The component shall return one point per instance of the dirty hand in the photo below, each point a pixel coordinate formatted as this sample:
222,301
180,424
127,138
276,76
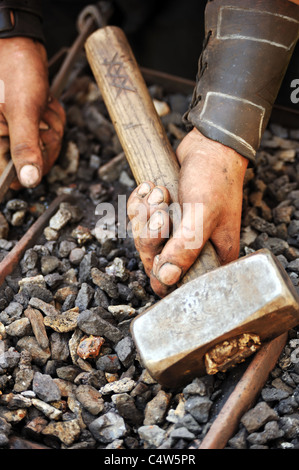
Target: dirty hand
211,174
31,123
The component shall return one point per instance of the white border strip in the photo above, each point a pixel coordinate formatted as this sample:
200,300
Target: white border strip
250,38
238,138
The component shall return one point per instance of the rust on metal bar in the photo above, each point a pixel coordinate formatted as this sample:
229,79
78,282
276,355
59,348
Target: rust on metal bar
22,444
244,394
229,353
6,178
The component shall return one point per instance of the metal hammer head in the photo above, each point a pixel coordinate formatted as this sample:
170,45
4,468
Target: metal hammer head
239,305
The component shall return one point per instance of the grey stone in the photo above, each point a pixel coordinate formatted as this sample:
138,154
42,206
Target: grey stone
270,432
282,383
293,228
9,359
108,363
14,310
287,406
116,444
68,373
182,433
153,435
239,440
108,427
69,302
89,261
293,266
290,426
6,244
118,269
15,401
45,388
45,307
39,355
125,350
199,408
29,260
258,446
101,299
65,248
59,347
276,245
189,422
5,427
92,324
4,227
258,416
66,431
126,407
273,394
124,385
156,408
4,440
60,219
49,264
23,379
19,328
105,282
125,293
84,296
282,259
75,211
53,280
76,256
16,205
262,225
35,290
90,399
196,387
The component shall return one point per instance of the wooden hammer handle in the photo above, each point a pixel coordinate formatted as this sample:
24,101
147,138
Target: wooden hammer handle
137,124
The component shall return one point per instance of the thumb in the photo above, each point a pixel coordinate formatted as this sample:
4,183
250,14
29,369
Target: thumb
25,148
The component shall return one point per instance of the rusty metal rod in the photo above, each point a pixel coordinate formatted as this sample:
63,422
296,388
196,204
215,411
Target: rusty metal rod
22,444
11,260
61,78
244,394
7,178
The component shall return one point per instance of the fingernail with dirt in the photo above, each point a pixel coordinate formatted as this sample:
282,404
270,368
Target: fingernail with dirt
169,274
144,189
156,196
156,221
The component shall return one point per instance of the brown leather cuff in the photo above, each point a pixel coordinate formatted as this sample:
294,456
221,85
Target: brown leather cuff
27,19
247,49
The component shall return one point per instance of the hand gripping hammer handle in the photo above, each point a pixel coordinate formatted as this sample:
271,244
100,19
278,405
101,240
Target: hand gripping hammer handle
137,124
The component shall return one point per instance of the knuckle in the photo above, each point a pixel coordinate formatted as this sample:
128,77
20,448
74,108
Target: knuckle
23,147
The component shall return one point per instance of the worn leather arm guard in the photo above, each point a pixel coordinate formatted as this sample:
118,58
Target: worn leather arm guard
248,46
27,19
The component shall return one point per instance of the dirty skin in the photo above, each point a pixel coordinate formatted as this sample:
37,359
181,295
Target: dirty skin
211,174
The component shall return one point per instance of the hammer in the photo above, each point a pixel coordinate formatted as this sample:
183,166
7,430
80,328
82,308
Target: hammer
219,315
